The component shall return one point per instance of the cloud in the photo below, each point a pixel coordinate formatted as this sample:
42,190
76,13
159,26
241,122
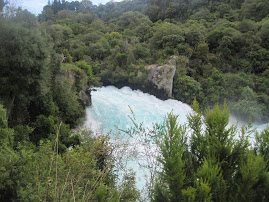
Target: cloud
34,6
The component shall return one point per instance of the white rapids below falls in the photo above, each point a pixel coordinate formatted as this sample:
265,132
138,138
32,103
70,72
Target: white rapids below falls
112,108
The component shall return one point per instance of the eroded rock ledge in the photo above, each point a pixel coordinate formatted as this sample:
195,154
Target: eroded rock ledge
160,80
162,75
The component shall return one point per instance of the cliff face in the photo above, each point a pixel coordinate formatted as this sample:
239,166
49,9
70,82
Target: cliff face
162,76
158,82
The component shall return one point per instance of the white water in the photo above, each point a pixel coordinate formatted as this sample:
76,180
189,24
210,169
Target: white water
112,107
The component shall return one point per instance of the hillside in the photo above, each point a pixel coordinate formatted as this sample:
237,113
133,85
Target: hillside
221,46
212,53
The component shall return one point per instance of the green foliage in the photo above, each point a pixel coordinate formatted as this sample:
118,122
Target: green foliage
42,174
186,89
197,140
223,53
215,91
259,60
171,143
264,34
212,165
9,159
3,119
255,10
21,134
24,60
6,134
43,128
189,194
210,172
69,84
49,176
252,171
262,144
234,84
129,192
213,39
87,68
60,34
133,19
216,121
248,106
194,37
202,52
100,49
167,37
222,36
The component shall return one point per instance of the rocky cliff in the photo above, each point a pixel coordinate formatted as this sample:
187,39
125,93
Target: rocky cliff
158,80
162,75
75,81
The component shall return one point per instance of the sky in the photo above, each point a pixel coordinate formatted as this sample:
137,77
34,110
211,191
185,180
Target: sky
36,6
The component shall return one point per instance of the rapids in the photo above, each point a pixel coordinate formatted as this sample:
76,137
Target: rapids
112,108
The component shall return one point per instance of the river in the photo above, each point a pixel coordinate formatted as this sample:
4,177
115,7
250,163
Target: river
113,108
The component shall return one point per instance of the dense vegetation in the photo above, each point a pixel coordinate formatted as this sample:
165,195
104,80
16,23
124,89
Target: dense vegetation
222,46
211,164
48,62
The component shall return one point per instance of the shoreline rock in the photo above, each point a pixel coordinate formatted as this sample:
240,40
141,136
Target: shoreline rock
162,76
160,80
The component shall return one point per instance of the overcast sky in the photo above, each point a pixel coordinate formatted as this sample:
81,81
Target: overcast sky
36,6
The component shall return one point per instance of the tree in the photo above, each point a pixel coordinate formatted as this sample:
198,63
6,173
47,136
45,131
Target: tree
201,52
194,37
86,4
24,66
214,89
87,68
166,38
264,32
253,181
259,60
247,106
3,3
171,142
197,139
213,39
262,144
133,19
255,10
100,49
6,134
212,164
234,84
66,93
185,88
128,190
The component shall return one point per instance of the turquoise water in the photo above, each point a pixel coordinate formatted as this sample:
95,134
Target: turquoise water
113,107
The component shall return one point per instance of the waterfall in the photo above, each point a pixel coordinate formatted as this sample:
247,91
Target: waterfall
112,107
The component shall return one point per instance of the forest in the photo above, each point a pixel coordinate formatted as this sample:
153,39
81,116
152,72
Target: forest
48,63
222,46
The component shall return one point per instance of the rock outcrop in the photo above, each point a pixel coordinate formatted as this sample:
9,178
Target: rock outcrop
162,75
75,81
84,96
